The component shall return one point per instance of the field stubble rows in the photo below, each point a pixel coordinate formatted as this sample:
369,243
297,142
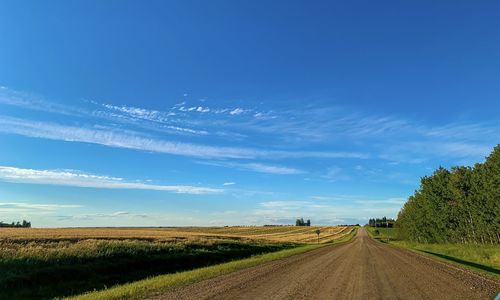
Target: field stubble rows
60,262
292,234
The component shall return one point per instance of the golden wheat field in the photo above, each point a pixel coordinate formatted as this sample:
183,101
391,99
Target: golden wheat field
293,234
35,257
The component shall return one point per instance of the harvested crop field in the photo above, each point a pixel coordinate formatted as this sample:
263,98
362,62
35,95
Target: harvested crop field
290,234
49,263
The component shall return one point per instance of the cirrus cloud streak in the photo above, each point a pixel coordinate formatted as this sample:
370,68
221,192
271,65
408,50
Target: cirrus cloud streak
134,140
78,179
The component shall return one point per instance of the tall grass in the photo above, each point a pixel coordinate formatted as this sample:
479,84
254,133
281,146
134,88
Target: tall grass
481,257
484,257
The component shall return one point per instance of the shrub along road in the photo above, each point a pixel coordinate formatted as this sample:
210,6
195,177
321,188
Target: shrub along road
361,269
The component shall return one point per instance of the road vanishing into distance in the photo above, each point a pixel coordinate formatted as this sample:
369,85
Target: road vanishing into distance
361,269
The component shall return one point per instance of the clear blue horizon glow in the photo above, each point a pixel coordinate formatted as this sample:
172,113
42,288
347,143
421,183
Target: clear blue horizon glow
238,113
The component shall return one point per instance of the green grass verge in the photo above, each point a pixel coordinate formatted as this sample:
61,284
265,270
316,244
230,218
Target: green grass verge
383,234
163,283
484,258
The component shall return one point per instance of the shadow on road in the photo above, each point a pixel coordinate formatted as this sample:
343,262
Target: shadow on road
464,262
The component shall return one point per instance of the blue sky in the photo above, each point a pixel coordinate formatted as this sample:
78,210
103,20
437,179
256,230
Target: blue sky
238,112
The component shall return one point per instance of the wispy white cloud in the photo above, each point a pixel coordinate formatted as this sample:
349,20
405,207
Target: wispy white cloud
256,167
116,138
398,201
290,124
24,206
237,111
188,130
228,183
271,169
310,123
420,151
320,124
333,173
463,131
202,109
33,102
78,179
117,214
327,209
383,137
145,118
290,205
136,141
198,109
285,211
139,113
457,149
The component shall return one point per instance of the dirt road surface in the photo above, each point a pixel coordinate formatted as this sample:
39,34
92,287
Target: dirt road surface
361,269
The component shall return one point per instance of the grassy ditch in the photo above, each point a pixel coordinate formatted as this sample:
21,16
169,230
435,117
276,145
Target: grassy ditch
479,257
155,285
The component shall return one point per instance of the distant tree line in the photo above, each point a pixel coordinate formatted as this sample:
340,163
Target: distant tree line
383,222
460,205
300,222
24,224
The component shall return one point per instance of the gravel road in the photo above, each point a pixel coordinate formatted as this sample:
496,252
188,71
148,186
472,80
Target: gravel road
361,269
